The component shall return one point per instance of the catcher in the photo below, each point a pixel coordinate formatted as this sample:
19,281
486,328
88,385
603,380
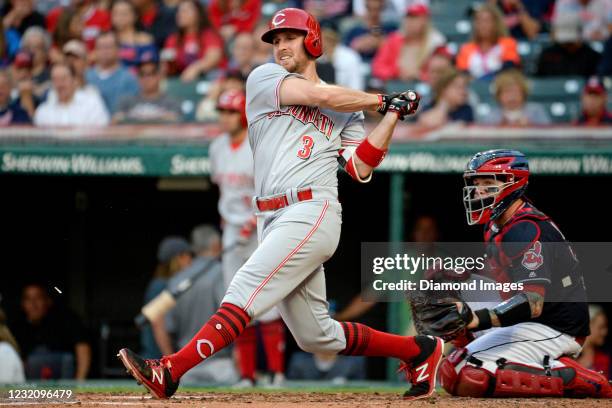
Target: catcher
529,353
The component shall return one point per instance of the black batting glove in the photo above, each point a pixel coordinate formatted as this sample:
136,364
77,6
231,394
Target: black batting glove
405,104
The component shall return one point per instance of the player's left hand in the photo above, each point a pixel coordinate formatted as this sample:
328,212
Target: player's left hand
404,105
385,100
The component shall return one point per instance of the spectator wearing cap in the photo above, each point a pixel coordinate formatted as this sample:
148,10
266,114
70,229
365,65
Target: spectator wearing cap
366,35
594,101
195,49
450,102
404,53
133,44
491,49
70,107
11,113
568,55
151,105
242,53
25,90
53,340
523,19
112,79
21,15
37,42
232,17
173,255
511,92
346,62
75,55
93,20
595,17
156,19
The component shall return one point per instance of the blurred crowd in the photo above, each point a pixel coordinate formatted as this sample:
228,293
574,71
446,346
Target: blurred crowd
101,62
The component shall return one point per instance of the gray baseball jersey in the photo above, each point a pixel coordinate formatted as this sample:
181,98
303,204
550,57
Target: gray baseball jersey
294,146
231,169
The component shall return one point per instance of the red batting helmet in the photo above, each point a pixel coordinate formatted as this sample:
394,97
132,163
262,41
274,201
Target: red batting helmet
296,19
234,101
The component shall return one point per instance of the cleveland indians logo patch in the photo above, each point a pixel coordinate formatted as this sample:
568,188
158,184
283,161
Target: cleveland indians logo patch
533,259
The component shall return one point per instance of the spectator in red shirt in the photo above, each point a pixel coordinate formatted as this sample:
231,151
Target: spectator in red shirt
230,17
405,52
194,50
69,27
94,20
491,49
594,101
133,43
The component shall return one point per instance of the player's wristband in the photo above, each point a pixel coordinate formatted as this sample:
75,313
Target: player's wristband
484,319
370,155
383,103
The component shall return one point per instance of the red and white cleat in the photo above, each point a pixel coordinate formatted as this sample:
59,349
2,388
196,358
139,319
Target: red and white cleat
422,371
153,374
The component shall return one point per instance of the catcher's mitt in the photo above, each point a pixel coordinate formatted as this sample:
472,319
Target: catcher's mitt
436,313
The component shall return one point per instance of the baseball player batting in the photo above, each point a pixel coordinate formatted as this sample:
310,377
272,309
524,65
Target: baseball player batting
231,166
299,129
529,352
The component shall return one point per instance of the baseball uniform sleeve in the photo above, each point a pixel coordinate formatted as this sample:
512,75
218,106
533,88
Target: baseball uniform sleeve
530,260
262,90
353,133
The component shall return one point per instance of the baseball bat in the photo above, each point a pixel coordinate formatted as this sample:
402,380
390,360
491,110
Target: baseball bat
166,300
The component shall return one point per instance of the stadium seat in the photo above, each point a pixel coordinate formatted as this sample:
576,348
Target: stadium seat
563,111
554,89
189,93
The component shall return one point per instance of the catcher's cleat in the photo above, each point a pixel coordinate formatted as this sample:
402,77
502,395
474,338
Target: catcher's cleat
421,371
153,374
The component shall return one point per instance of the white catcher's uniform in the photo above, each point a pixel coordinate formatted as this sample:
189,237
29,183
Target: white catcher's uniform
294,147
231,168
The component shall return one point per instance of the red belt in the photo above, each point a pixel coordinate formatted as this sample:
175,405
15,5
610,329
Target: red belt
280,201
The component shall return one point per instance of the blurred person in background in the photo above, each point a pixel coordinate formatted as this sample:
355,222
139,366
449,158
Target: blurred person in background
156,19
594,104
441,61
490,49
511,93
195,49
10,41
242,53
230,17
174,330
151,105
595,17
367,34
346,62
70,107
231,168
207,108
69,27
93,20
52,339
592,356
263,50
173,255
75,55
327,10
24,93
450,103
11,369
403,55
523,19
21,15
133,43
108,75
605,65
37,42
568,55
11,113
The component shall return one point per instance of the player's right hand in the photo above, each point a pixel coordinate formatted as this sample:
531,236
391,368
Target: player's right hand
405,104
385,100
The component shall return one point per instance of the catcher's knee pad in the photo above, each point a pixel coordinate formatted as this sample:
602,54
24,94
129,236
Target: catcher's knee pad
468,381
579,381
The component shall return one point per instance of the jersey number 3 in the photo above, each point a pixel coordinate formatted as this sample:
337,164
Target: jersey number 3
305,152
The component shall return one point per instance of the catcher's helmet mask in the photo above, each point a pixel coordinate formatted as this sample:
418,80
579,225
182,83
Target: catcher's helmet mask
510,171
300,20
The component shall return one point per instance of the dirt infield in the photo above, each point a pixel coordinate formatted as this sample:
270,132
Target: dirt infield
303,400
